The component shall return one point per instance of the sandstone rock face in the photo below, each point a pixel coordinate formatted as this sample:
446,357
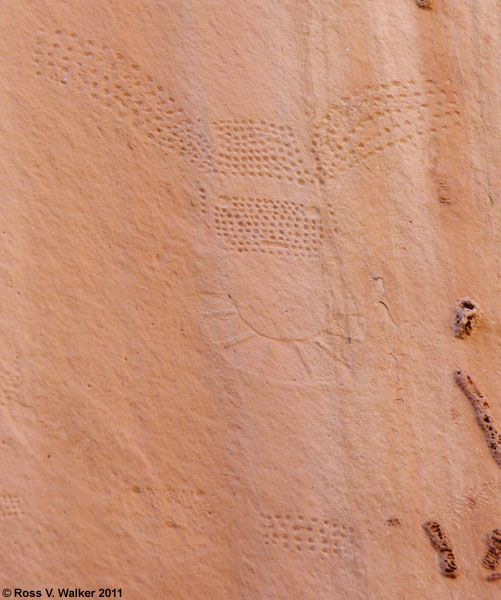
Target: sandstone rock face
236,241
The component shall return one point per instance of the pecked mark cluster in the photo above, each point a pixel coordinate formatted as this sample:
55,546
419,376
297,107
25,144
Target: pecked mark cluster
362,125
259,149
10,380
266,226
354,129
117,83
312,535
11,506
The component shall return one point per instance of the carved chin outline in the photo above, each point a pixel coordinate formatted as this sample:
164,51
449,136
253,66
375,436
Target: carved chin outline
319,358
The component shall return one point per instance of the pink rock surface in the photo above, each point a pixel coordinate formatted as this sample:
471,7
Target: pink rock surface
234,238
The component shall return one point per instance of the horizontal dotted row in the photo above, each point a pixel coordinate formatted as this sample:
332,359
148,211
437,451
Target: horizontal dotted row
321,536
10,506
267,226
247,147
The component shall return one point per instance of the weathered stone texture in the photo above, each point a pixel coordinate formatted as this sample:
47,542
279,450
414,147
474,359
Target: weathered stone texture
235,240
